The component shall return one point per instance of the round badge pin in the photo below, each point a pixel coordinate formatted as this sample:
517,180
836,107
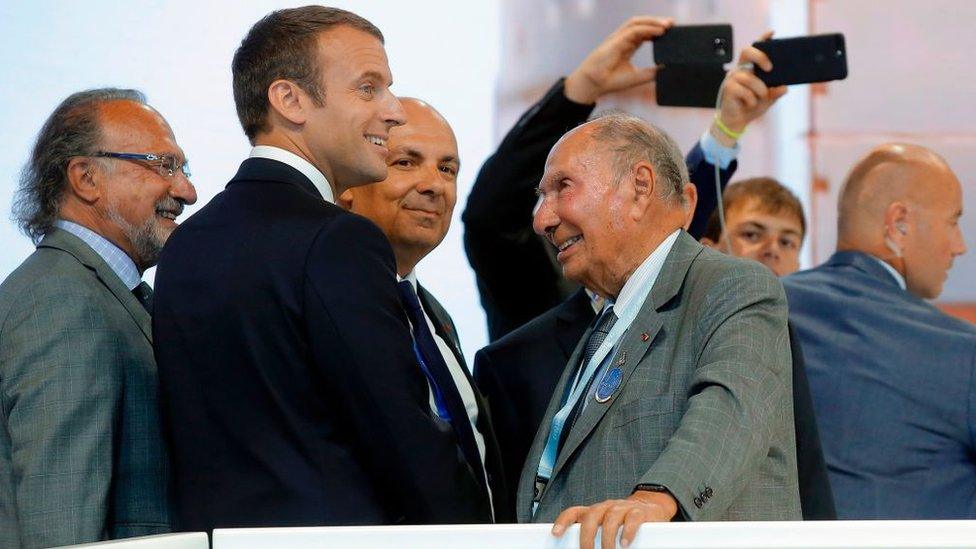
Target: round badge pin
608,385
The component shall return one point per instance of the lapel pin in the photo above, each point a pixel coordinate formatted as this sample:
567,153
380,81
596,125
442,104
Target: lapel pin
608,385
645,337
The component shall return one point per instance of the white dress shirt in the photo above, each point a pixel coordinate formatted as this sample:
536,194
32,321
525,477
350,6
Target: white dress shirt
300,164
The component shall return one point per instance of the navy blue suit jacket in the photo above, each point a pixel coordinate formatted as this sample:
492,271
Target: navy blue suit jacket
892,379
290,391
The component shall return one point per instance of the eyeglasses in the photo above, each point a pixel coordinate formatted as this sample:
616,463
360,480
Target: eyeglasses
165,165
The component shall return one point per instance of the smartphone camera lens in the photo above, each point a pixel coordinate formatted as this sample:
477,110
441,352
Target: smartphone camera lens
720,47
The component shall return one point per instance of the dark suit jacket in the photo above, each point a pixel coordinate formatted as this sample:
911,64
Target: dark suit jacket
517,373
444,327
894,386
290,390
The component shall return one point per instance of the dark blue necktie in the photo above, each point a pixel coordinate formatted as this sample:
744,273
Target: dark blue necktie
441,381
145,295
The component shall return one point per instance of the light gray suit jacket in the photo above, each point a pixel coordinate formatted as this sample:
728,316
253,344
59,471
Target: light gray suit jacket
81,455
704,407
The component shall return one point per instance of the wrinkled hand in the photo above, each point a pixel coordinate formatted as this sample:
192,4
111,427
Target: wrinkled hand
745,97
608,67
610,515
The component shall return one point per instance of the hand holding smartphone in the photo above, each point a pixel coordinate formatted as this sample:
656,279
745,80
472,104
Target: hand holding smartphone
804,59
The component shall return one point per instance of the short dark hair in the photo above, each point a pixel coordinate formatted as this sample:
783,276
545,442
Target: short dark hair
773,198
284,45
73,129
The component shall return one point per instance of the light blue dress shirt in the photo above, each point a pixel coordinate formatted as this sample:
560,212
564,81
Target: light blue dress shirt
120,263
717,153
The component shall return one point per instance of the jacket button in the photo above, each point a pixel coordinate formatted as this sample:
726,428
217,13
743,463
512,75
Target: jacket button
698,503
708,492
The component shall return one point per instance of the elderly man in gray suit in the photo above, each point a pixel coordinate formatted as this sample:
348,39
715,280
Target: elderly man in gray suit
676,403
81,454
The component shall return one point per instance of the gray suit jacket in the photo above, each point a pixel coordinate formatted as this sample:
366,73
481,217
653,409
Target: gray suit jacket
704,407
81,455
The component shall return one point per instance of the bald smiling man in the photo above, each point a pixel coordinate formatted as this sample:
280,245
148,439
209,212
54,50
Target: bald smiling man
892,377
413,208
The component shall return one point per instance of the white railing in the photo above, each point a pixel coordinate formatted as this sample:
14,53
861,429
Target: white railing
733,535
192,540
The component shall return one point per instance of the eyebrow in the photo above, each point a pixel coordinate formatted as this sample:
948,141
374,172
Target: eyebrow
374,75
557,176
762,227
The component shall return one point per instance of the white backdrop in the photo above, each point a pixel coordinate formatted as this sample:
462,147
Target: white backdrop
178,52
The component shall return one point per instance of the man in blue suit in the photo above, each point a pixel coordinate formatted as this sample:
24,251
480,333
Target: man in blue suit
892,377
291,390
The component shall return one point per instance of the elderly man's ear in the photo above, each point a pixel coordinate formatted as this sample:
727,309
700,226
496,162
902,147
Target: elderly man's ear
81,179
691,202
644,181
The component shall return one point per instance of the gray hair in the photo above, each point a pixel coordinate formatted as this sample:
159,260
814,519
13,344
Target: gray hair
634,140
72,130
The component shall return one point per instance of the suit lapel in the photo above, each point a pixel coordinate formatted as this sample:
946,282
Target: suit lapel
71,244
443,326
526,485
634,345
636,342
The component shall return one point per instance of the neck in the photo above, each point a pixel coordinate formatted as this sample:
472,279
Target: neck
295,144
90,219
406,262
876,249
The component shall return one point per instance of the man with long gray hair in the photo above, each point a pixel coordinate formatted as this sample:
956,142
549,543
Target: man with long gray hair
81,455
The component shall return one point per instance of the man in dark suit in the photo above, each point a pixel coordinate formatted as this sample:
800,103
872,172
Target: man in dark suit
518,372
892,377
291,391
82,457
413,208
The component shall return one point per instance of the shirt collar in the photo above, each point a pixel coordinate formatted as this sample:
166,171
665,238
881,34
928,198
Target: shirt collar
411,277
639,284
120,262
308,170
898,278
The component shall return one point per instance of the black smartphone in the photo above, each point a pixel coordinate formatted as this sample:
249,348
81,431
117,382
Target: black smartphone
688,85
694,44
804,59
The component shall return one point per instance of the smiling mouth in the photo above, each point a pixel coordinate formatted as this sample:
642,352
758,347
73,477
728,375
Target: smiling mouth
376,140
569,242
422,210
166,214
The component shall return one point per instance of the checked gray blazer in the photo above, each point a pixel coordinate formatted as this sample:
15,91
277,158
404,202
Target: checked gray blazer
81,455
704,408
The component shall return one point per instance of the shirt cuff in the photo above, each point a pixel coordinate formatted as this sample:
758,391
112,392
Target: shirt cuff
715,153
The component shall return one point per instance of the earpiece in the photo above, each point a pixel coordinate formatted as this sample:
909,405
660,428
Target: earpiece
901,227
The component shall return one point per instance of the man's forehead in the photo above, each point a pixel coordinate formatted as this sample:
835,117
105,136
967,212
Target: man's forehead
754,210
128,123
424,127
353,51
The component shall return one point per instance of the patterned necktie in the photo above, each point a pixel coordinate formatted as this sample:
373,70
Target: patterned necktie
144,294
599,335
442,383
